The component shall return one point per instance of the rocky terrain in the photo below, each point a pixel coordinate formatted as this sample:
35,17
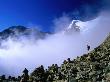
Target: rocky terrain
91,67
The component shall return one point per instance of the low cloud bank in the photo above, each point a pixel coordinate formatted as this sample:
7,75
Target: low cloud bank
55,48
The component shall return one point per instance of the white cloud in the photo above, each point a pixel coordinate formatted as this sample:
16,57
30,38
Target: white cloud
55,48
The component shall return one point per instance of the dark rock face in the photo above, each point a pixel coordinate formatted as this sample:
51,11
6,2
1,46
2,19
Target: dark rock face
18,31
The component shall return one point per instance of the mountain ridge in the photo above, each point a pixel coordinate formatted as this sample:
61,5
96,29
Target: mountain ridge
18,31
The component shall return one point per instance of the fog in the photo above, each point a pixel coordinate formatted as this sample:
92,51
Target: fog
30,53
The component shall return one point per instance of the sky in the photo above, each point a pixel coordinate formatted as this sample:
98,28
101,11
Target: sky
42,12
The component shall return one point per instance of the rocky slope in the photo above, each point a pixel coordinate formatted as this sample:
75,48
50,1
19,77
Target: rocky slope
91,67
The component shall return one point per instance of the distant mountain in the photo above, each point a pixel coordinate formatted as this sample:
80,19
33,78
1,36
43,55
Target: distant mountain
72,28
16,32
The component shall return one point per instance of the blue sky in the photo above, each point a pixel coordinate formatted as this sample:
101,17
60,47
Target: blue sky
43,12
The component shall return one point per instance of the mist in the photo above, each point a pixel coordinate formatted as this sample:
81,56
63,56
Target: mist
55,48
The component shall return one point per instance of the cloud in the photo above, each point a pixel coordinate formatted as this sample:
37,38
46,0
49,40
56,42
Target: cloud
31,53
88,9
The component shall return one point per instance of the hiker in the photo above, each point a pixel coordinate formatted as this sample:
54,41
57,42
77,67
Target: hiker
88,47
